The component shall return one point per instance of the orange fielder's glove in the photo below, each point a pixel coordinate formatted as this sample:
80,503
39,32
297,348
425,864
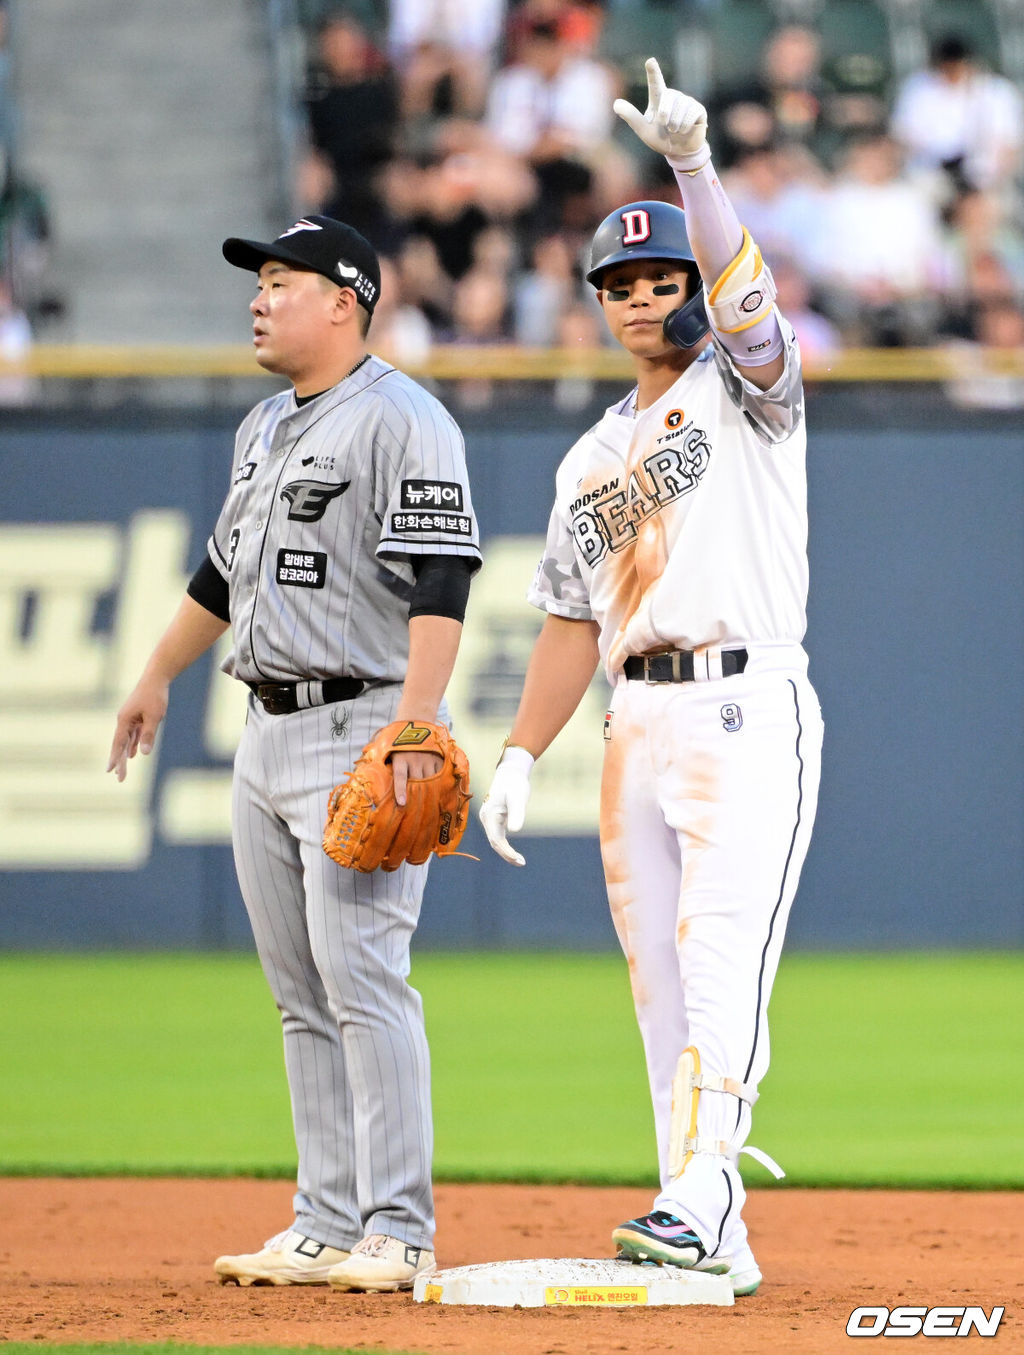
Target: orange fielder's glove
368,830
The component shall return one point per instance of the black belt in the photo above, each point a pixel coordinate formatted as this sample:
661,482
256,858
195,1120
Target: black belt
285,698
677,666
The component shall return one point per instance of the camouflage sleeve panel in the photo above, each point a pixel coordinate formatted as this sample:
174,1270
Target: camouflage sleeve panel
558,585
773,414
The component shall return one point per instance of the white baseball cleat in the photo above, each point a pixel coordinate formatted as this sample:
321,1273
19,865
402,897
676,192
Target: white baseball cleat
745,1282
288,1258
381,1264
745,1273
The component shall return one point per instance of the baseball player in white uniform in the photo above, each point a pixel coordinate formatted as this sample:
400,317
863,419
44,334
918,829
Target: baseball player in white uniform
676,556
341,560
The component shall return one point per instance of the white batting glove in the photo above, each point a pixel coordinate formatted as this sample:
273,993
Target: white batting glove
674,125
504,808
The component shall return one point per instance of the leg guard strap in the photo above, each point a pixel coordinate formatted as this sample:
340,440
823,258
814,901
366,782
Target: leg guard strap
727,1084
723,1148
684,1140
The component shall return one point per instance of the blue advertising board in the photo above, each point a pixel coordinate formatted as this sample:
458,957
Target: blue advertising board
916,637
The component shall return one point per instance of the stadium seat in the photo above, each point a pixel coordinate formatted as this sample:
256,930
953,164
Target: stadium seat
633,31
739,30
975,23
372,14
856,44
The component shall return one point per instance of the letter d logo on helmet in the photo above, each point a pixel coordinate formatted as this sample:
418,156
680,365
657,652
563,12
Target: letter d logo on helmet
651,230
640,230
636,226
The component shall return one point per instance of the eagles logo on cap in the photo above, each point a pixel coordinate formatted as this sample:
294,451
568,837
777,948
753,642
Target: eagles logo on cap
321,245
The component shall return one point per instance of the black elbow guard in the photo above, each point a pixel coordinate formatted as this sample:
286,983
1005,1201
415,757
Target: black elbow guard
209,588
442,586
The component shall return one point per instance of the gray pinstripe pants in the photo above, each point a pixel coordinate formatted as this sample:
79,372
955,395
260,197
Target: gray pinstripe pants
334,945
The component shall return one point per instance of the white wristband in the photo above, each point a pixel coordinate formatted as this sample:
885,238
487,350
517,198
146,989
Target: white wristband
690,164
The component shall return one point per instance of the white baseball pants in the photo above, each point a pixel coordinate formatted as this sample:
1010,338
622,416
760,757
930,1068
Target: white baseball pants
709,794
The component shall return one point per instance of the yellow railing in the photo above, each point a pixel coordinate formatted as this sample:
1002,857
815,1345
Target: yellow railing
499,363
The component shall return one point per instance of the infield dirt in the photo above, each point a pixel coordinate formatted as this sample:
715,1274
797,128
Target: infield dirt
114,1259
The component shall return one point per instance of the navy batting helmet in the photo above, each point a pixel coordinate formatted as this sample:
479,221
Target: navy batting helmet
651,230
640,230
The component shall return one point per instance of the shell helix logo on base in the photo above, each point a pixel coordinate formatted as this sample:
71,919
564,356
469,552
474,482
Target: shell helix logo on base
595,1295
412,734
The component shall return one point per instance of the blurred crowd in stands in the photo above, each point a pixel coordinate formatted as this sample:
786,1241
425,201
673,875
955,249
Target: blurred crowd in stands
476,146
25,236
474,142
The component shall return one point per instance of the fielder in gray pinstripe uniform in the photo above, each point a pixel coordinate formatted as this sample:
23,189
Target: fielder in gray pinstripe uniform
341,560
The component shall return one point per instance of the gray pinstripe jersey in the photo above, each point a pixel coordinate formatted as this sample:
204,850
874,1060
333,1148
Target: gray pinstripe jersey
327,503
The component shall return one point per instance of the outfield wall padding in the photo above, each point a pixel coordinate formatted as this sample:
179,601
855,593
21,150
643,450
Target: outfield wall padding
916,637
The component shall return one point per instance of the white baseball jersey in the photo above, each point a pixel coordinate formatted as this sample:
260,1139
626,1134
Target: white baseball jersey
685,526
327,499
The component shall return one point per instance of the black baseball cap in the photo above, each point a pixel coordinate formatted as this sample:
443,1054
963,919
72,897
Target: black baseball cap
318,244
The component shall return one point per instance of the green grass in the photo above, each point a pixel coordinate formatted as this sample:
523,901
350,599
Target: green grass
898,1070
903,1070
